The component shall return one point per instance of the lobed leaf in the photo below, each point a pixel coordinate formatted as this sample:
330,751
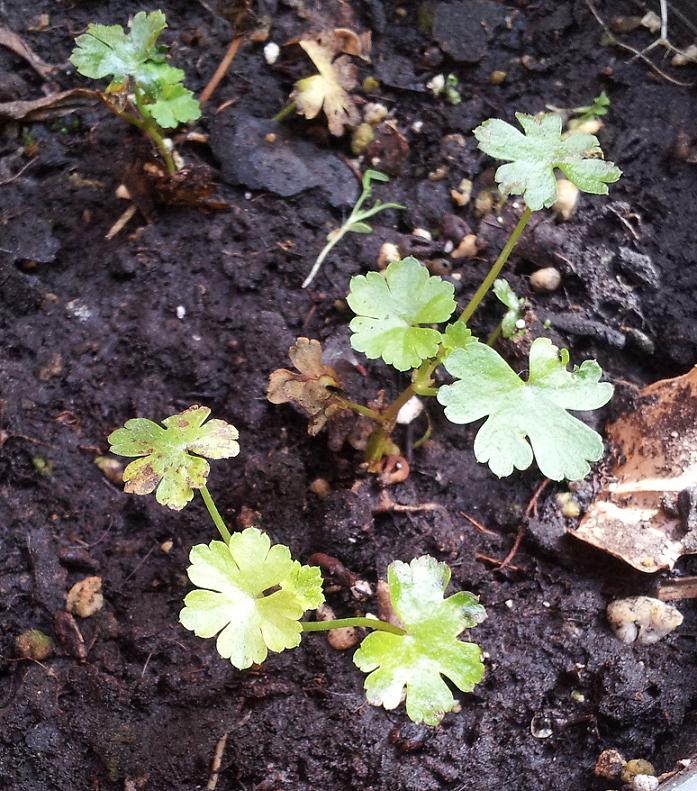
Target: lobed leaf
391,309
533,156
232,599
428,650
167,464
527,417
327,90
106,50
311,390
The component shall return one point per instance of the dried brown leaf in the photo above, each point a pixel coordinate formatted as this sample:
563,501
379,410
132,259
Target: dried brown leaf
328,90
636,517
310,389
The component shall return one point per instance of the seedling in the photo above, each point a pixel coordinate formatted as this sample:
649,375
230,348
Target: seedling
144,90
510,325
251,594
356,221
397,316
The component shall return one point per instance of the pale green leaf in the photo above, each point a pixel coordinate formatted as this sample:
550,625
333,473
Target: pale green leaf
457,336
106,50
167,464
232,599
505,294
429,650
360,227
534,155
526,417
389,311
175,105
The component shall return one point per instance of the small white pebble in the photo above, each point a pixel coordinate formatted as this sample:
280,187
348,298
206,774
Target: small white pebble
180,311
520,324
417,126
410,411
422,233
436,84
546,604
448,247
509,603
248,196
271,52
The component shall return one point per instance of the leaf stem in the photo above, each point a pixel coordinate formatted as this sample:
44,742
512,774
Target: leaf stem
153,131
341,623
362,410
495,270
215,514
283,113
335,237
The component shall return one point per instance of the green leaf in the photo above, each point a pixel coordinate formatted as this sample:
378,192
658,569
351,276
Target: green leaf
510,299
597,108
232,599
390,309
533,156
175,105
457,336
373,175
167,464
429,649
488,387
360,227
106,50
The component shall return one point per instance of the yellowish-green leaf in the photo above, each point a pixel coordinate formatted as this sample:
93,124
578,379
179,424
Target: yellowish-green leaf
166,463
251,595
429,650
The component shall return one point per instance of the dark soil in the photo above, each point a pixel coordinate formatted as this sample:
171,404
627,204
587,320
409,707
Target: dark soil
91,337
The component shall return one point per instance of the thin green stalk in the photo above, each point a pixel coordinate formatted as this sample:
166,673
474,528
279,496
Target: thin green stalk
335,237
362,410
341,623
152,130
495,270
286,111
494,335
215,514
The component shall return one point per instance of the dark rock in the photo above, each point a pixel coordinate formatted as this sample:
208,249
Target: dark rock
463,29
287,166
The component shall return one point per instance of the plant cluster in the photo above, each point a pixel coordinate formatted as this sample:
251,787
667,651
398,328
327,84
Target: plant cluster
399,318
144,90
251,595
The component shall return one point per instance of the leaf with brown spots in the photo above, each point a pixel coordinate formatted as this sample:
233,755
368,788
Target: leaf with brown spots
165,462
310,389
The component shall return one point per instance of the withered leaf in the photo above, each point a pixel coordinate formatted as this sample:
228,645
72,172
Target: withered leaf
328,90
310,389
639,515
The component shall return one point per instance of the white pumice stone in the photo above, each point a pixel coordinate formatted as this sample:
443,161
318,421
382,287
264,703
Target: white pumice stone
642,619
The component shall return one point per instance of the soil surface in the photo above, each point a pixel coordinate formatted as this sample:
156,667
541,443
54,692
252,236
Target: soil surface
196,307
